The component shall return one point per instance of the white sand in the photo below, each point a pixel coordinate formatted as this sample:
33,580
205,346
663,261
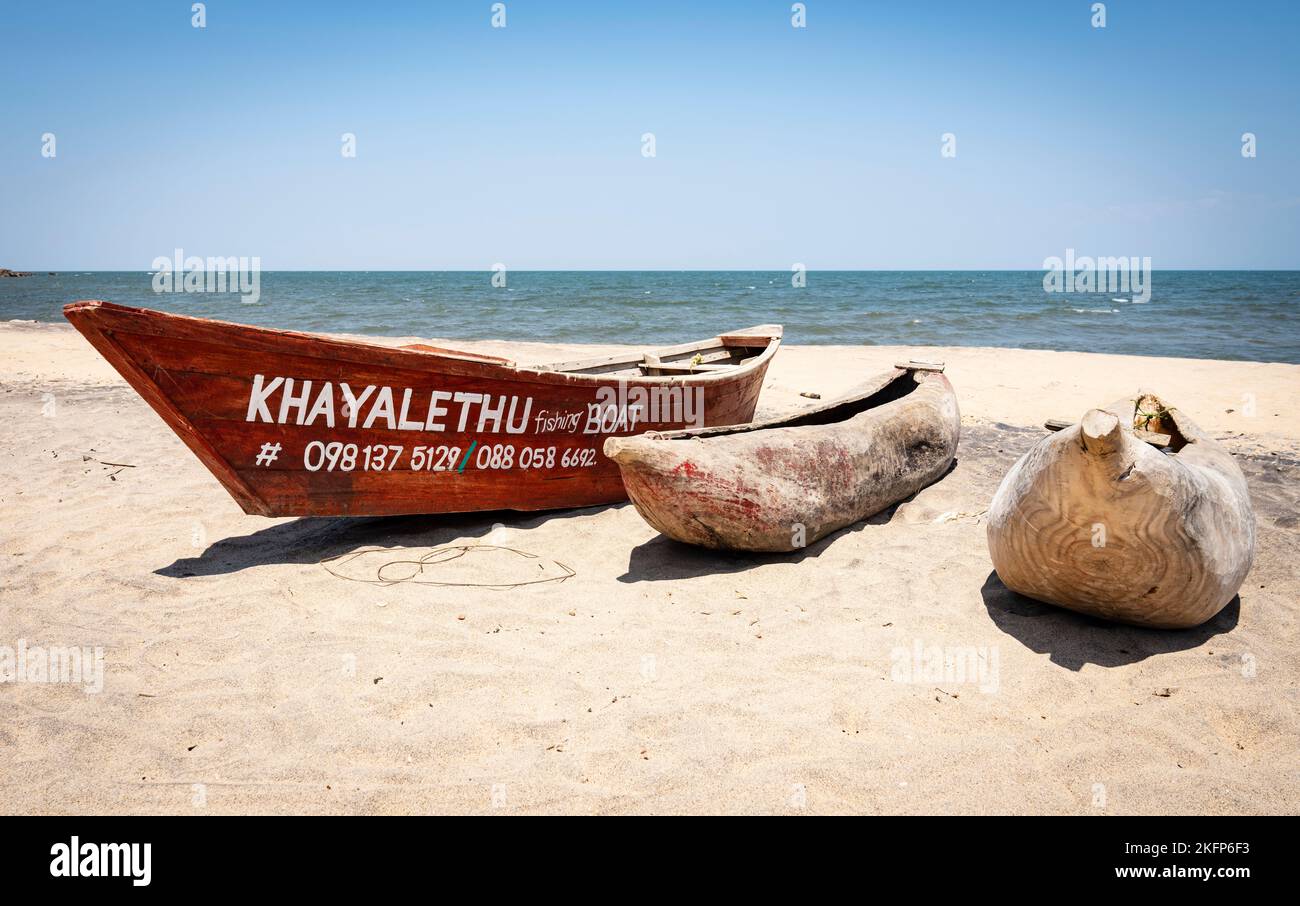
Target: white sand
240,676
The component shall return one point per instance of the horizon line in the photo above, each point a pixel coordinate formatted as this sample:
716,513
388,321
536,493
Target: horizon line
35,272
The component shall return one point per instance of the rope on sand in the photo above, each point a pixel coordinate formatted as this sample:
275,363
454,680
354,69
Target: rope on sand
435,557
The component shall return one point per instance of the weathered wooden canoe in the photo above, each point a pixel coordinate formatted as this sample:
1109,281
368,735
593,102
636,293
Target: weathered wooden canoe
296,424
783,483
1135,514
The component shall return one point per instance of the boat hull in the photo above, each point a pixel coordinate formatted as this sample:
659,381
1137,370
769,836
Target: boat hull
298,424
1097,520
782,484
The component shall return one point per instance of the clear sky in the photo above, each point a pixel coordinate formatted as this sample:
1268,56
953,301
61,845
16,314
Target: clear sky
774,145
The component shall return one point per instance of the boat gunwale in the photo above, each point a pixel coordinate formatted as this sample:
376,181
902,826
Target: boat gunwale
857,395
336,348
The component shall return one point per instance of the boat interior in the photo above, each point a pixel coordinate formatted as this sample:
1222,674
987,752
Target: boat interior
721,353
1157,424
876,392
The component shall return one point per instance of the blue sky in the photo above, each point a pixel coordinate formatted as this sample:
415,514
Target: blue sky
774,145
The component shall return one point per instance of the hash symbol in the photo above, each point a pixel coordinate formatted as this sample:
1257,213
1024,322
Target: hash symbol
268,454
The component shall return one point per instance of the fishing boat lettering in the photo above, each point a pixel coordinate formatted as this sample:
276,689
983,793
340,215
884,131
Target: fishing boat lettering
621,408
382,409
557,422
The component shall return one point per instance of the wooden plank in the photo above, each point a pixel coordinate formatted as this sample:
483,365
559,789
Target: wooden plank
439,350
664,352
674,368
716,354
752,336
604,361
1153,438
109,318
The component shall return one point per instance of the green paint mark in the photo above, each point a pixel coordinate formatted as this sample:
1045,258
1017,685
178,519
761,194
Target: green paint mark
472,445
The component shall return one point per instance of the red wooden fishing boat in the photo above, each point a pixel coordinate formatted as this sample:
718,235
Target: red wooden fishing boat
297,424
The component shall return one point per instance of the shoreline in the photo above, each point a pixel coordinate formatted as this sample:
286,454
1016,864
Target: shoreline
1021,387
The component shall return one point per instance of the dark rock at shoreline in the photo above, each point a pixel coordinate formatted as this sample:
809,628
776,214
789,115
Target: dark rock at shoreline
5,272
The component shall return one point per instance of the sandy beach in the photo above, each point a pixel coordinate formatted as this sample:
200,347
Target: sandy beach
241,676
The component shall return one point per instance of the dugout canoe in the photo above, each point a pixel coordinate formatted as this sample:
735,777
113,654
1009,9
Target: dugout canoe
298,424
1134,514
783,483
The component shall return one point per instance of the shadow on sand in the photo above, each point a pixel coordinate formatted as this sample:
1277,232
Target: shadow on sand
662,559
1074,639
311,538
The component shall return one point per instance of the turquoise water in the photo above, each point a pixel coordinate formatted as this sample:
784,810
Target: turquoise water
1252,315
